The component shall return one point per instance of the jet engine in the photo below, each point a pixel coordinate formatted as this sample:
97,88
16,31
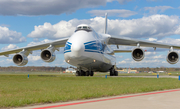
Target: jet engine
138,54
172,57
48,55
20,59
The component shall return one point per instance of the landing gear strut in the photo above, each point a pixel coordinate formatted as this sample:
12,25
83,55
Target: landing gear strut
113,72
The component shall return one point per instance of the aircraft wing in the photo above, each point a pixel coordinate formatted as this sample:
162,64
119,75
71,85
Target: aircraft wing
133,42
56,43
121,51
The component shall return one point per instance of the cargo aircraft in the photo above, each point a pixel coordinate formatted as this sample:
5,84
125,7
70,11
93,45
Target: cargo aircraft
90,51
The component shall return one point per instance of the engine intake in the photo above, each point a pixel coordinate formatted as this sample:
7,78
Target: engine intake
172,57
20,59
138,54
48,55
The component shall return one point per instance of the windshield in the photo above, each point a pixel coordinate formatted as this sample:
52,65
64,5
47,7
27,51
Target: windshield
86,28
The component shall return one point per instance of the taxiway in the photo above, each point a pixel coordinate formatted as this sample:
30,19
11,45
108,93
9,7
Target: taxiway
168,99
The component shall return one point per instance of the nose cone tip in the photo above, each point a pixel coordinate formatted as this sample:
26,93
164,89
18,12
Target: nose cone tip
77,50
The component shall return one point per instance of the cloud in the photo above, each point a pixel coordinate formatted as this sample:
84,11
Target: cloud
152,60
123,1
6,62
9,60
150,54
119,56
34,58
61,29
122,62
120,1
159,57
135,7
155,26
156,9
114,12
9,47
177,31
152,39
9,36
38,42
170,41
4,25
48,7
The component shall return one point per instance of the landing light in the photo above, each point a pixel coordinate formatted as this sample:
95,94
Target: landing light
94,60
68,61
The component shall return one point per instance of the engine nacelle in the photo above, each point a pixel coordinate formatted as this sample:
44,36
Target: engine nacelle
20,59
172,57
138,54
48,55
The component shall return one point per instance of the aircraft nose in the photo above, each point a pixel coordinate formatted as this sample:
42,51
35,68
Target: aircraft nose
77,49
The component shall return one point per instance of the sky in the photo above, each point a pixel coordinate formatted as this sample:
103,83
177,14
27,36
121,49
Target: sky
29,22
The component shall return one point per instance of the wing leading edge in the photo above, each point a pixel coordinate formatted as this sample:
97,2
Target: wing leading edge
56,43
133,42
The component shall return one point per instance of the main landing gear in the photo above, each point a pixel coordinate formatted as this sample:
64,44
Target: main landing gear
113,72
83,73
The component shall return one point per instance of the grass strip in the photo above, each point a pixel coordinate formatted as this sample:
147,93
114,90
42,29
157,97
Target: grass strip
18,90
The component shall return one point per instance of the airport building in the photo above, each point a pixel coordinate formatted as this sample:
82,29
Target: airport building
127,71
70,70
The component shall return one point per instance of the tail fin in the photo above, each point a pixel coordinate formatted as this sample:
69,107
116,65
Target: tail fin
105,30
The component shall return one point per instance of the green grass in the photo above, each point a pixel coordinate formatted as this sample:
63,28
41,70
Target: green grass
174,73
18,90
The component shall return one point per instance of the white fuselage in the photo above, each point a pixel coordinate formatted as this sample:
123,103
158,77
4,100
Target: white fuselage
88,50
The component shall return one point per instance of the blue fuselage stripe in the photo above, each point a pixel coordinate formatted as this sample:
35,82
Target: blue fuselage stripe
67,47
92,46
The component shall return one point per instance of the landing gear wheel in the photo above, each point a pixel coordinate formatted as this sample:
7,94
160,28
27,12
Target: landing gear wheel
77,73
91,73
83,73
116,73
87,73
113,72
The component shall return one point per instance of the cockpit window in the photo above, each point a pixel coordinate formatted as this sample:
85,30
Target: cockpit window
86,28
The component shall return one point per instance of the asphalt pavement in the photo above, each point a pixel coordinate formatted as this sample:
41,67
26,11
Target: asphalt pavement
167,99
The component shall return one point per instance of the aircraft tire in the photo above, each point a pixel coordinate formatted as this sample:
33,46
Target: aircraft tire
83,73
112,72
87,73
77,73
116,73
91,73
